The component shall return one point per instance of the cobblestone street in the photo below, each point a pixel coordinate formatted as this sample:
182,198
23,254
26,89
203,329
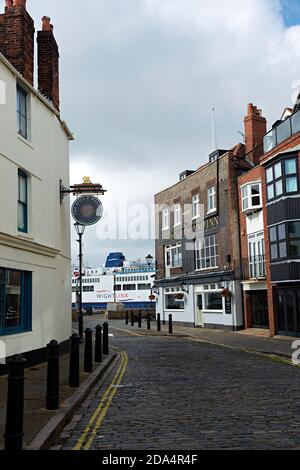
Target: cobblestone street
177,394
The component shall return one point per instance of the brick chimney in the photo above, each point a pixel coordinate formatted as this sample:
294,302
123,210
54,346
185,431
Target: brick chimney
17,37
48,63
255,129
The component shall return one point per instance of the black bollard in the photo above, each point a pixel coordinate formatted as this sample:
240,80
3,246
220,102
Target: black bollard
158,322
170,324
74,361
52,398
15,404
132,319
105,340
140,319
88,351
148,322
98,344
127,318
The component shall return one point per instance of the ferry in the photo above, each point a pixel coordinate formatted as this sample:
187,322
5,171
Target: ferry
118,281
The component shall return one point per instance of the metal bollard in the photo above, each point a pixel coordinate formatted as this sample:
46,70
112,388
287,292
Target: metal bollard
158,322
140,319
148,322
132,319
105,340
88,351
98,344
15,404
170,324
74,361
127,318
52,398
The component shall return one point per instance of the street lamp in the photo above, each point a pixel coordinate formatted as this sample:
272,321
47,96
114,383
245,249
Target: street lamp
149,260
115,273
80,231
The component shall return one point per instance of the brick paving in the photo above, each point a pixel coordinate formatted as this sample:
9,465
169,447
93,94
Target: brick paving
179,395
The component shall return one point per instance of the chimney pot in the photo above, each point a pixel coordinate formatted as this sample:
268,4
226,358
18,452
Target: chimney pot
19,3
46,25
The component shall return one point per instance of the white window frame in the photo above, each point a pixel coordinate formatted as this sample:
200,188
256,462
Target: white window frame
166,219
248,197
174,254
177,215
196,207
205,244
211,200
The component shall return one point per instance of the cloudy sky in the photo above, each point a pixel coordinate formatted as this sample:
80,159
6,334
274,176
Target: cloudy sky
139,79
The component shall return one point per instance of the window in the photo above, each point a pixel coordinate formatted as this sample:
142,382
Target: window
251,196
15,301
282,178
172,303
129,287
195,206
285,240
213,301
257,264
22,202
22,112
206,253
117,287
177,215
88,289
165,219
174,256
211,199
144,286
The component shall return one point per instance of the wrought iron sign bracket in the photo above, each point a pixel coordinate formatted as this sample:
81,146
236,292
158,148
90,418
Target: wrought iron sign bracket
79,189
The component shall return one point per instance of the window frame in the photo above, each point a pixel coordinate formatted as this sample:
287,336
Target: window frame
280,241
24,204
25,303
283,178
20,116
249,196
211,195
170,258
195,206
177,215
201,245
166,218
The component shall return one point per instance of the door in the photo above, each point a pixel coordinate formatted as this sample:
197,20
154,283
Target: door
259,308
288,311
199,310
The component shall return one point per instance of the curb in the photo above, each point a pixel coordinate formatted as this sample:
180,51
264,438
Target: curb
46,436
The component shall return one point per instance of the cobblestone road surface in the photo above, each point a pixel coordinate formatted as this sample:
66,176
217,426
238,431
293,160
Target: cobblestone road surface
177,394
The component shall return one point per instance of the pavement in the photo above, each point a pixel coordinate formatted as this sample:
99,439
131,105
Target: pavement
36,417
181,394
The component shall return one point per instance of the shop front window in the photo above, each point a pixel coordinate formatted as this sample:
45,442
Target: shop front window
172,303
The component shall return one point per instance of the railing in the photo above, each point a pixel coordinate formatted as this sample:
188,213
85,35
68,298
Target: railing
254,267
283,131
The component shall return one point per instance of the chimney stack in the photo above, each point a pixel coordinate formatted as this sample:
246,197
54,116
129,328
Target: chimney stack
255,129
48,63
17,38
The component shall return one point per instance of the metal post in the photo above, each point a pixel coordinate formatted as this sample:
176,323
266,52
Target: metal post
80,317
88,351
170,324
158,322
74,361
148,321
105,339
140,319
132,319
52,398
127,318
98,344
15,404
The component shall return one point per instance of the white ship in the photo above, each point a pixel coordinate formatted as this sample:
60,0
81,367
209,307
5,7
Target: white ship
118,282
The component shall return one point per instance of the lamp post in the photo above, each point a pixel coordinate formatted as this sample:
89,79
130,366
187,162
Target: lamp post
115,273
80,231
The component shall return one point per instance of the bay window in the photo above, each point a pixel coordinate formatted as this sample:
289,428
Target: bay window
251,196
282,178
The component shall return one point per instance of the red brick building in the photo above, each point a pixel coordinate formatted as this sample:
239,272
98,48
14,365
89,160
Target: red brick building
270,227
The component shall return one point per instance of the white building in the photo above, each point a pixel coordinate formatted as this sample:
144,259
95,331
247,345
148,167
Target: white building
35,289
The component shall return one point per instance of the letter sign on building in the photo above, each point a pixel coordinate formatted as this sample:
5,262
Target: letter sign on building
87,210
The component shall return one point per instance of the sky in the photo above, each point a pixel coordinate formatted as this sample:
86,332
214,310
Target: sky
139,79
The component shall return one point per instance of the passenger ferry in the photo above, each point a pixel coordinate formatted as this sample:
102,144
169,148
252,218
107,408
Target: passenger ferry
119,281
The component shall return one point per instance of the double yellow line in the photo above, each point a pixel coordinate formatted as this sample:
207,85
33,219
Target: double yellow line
89,434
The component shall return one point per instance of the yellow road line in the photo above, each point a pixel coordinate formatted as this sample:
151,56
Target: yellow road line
126,331
104,410
85,433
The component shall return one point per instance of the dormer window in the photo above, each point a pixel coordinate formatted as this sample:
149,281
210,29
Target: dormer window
251,197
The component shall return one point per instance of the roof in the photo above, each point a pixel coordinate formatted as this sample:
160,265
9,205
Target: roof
38,95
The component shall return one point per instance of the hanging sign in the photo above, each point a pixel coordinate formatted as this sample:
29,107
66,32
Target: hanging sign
87,210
